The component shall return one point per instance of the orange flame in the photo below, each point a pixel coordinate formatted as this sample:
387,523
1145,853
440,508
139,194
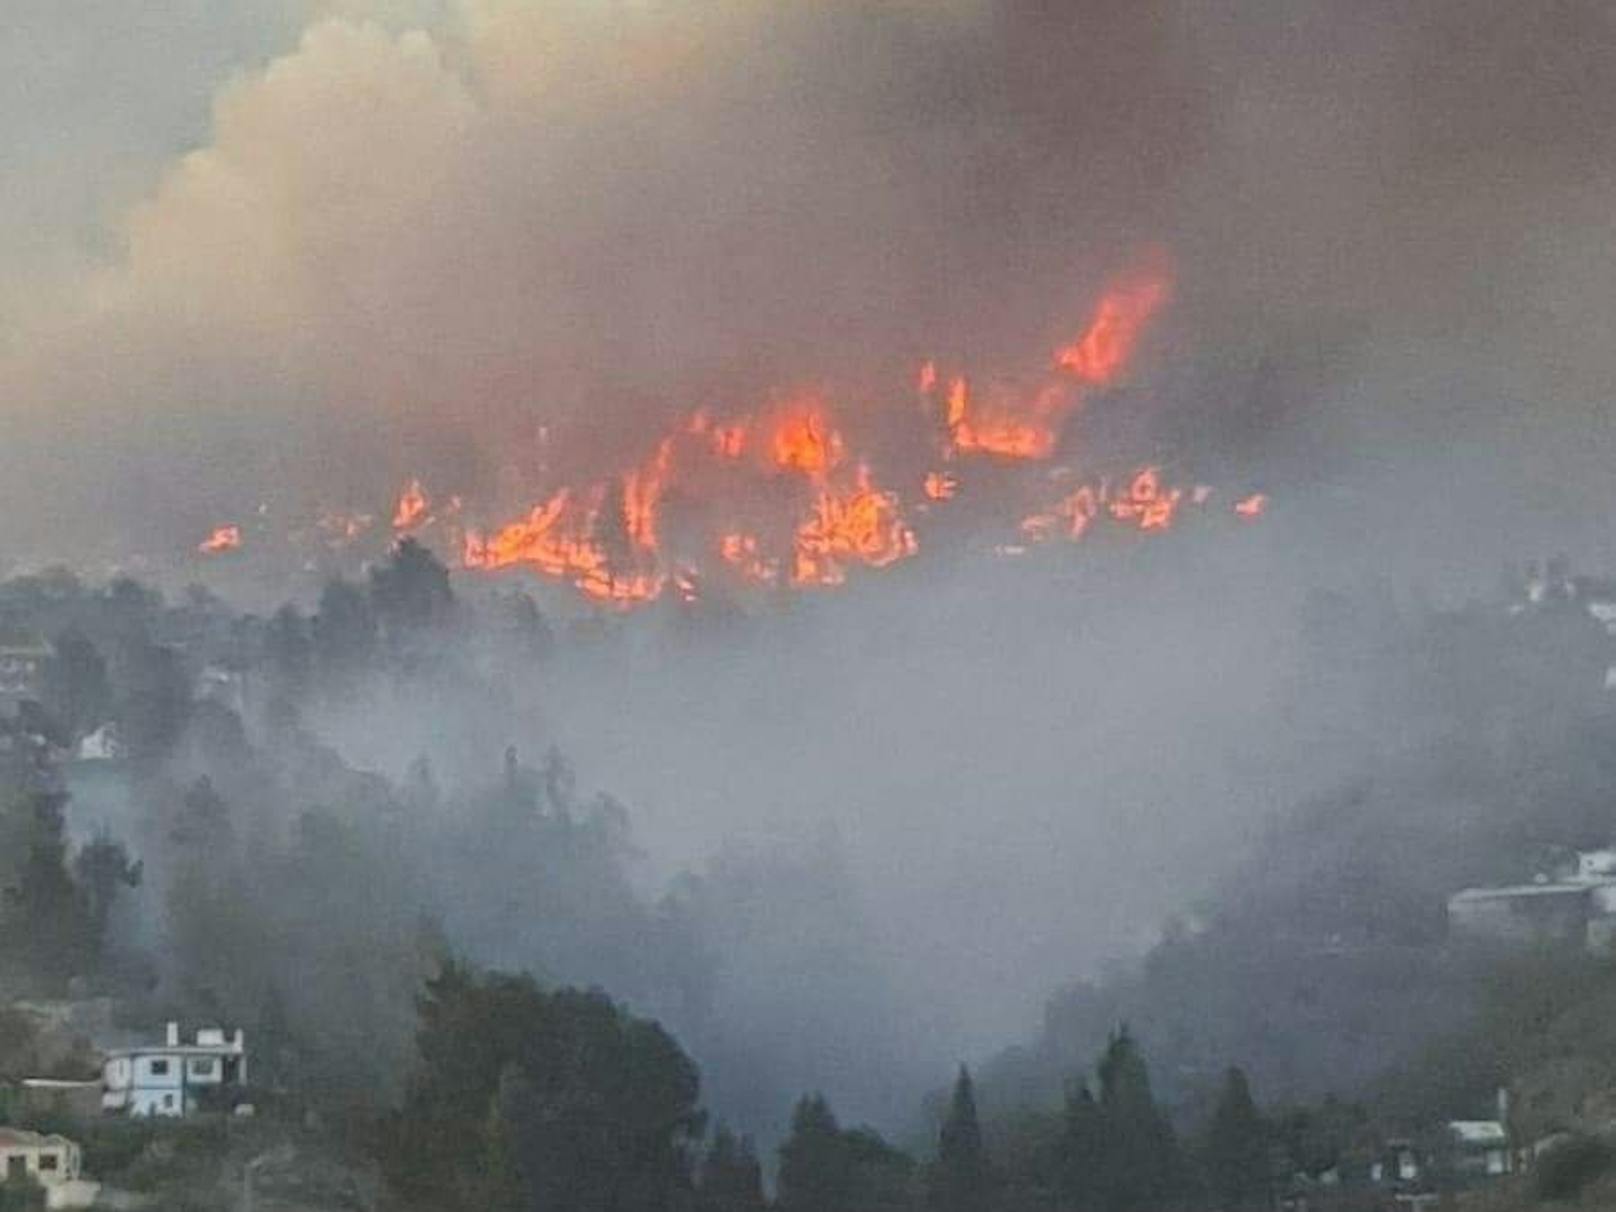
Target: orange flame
862,526
1146,503
223,539
642,491
829,517
805,441
412,508
1252,506
1101,354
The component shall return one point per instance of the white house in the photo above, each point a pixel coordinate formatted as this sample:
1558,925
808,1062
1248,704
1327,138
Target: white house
51,1161
171,1078
1480,1146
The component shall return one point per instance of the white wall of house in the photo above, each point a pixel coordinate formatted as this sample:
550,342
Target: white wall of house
166,1079
48,1160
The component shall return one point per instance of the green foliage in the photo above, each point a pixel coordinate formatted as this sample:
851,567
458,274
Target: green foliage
410,592
23,1195
155,701
730,1178
575,1103
961,1179
48,930
1138,1162
1235,1153
1571,1165
77,690
103,868
344,630
826,1168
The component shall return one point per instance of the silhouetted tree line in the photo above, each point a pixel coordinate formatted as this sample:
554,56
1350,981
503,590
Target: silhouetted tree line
525,1098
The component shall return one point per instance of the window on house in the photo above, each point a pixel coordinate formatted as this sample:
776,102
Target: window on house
202,1066
159,1068
168,1100
16,1166
49,1161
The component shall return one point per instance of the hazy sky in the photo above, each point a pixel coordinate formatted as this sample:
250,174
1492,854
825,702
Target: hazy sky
295,248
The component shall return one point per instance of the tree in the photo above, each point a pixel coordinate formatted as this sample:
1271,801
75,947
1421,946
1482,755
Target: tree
102,868
411,591
815,1175
1138,1164
76,689
344,629
595,1108
1083,1142
156,704
961,1179
731,1180
45,915
825,1168
1236,1148
289,650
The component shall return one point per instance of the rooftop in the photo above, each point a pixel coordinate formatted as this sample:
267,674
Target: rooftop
1514,890
1479,1131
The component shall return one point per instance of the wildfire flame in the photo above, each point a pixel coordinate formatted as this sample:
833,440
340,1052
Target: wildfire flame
1021,423
1252,506
790,495
223,539
413,508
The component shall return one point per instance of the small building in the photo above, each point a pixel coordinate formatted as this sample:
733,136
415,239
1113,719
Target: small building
1592,867
103,745
53,1162
23,656
174,1078
1398,1161
1532,914
1479,1148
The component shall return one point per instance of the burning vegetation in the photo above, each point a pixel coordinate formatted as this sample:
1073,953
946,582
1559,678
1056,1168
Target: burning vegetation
800,493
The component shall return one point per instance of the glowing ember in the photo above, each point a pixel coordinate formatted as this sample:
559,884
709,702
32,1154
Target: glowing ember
1252,506
412,509
223,539
862,526
1146,503
940,486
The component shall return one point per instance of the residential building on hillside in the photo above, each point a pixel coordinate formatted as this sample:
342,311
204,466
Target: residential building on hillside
1479,1148
1523,914
1575,907
174,1078
51,1161
22,668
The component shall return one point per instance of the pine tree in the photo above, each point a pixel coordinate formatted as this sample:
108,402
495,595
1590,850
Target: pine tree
815,1174
1236,1150
1139,1166
1082,1150
961,1179
731,1180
